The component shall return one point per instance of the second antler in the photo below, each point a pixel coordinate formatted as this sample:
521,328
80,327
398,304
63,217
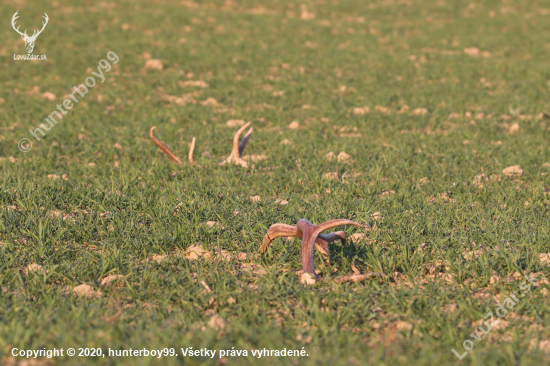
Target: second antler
169,152
236,153
311,238
321,243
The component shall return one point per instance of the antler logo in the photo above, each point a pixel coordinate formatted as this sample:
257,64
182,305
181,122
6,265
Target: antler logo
29,40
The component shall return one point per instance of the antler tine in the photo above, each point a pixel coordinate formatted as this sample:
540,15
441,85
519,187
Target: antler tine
235,156
278,230
243,142
191,151
337,235
163,147
324,239
236,146
333,223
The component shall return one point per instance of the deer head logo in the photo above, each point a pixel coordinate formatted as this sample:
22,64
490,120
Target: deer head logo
29,40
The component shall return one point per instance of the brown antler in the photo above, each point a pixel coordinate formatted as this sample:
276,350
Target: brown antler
311,232
312,237
169,152
191,151
236,153
278,230
163,147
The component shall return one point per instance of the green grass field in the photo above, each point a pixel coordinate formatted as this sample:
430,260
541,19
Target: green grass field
431,100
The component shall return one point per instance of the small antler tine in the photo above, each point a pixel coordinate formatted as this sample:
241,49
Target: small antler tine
244,141
235,156
322,241
337,235
236,138
265,243
162,146
322,246
191,151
